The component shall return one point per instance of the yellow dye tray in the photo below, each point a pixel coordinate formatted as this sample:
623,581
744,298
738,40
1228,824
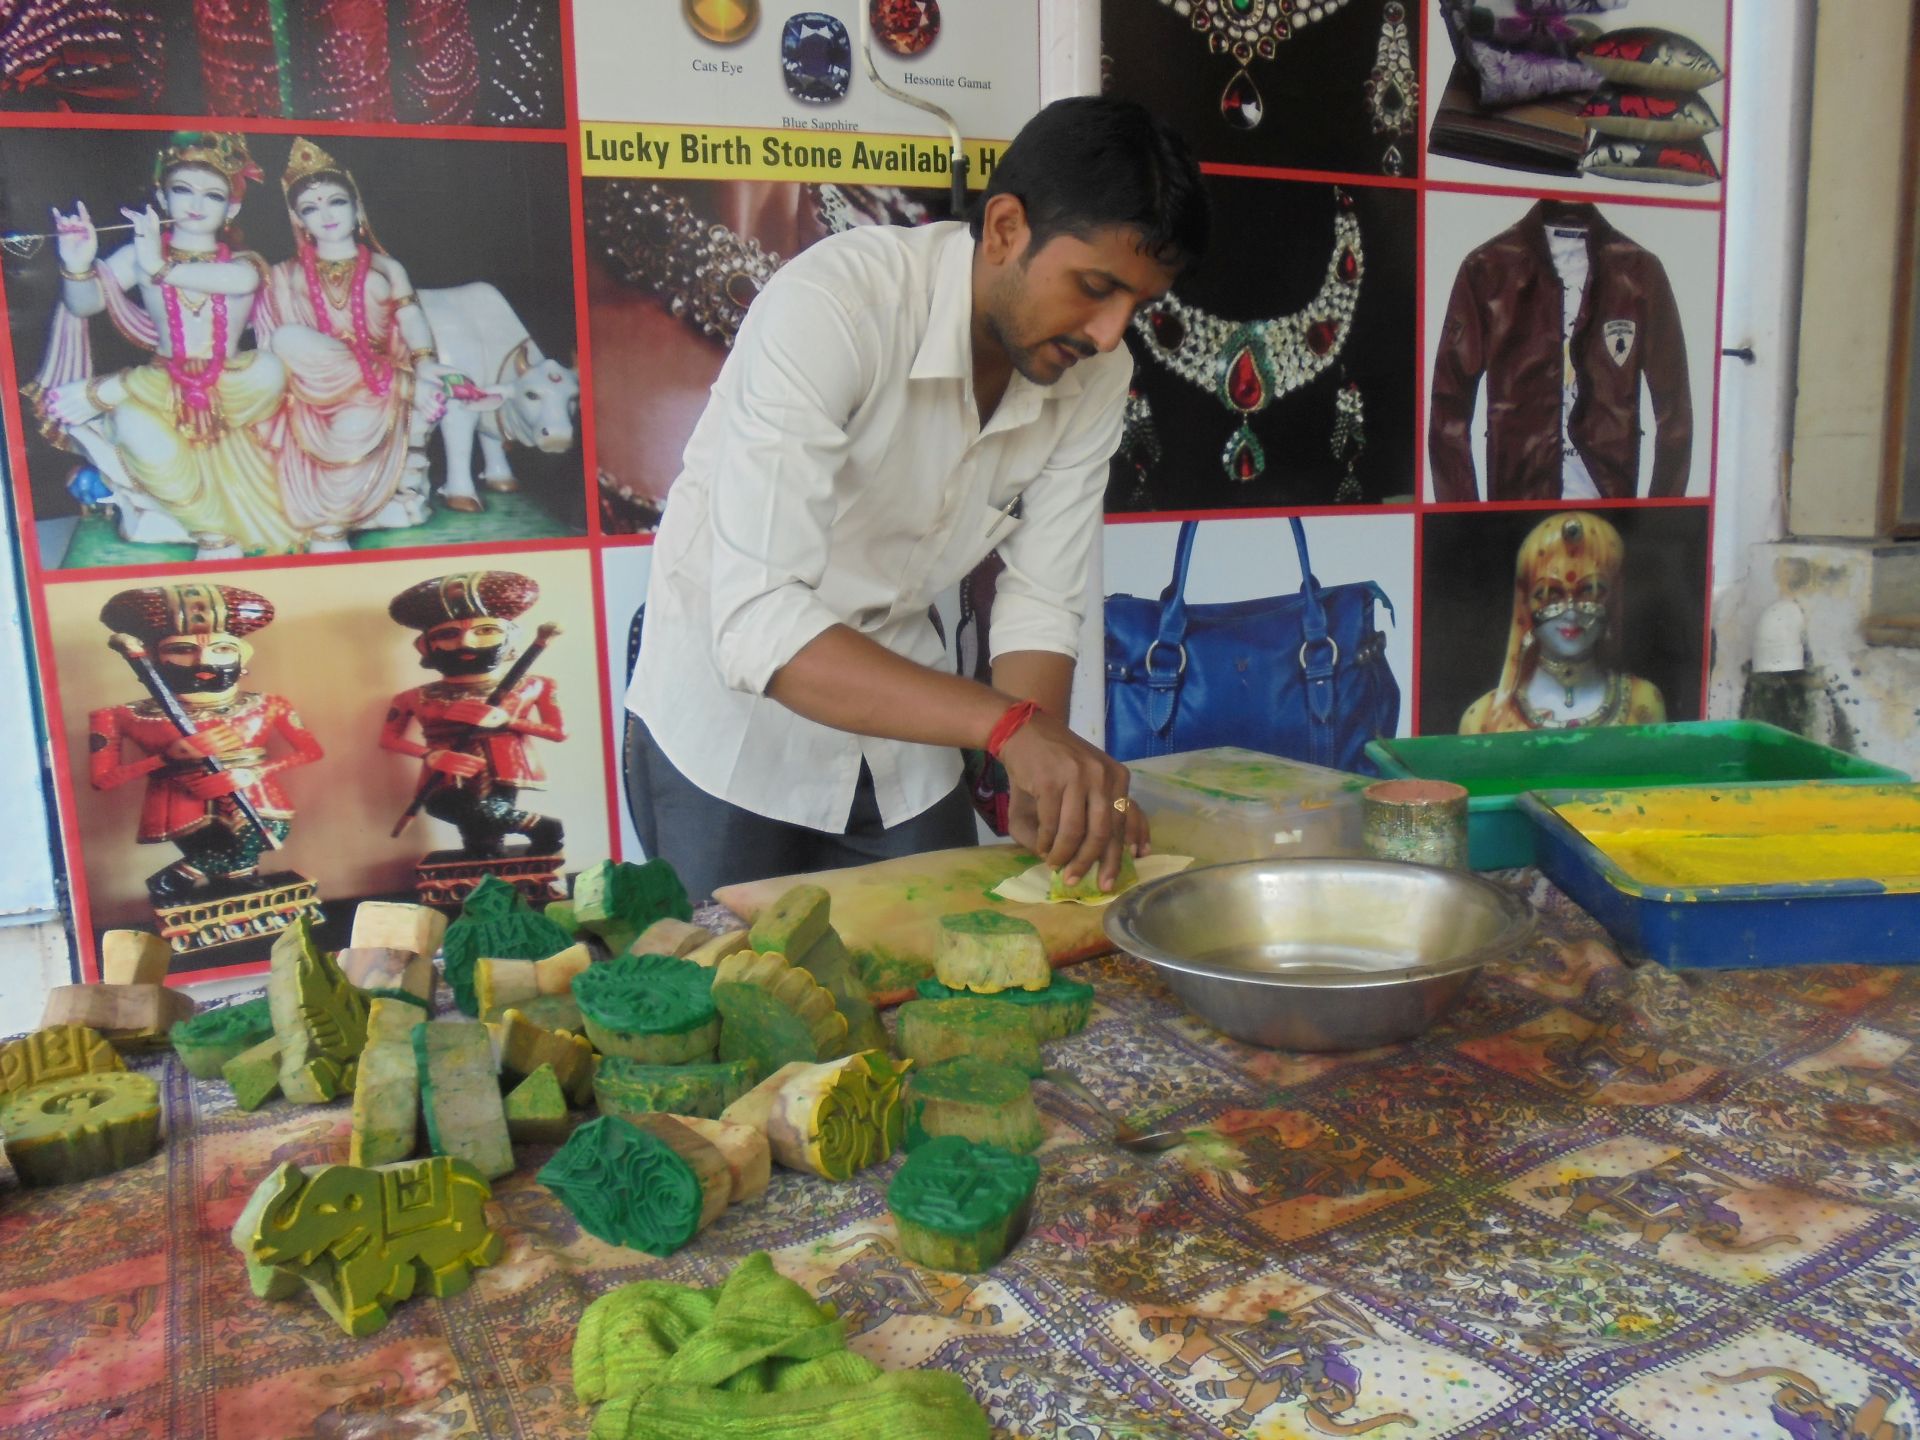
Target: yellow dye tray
1728,876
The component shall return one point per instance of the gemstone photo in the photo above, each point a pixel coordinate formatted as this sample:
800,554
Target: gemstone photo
816,57
906,27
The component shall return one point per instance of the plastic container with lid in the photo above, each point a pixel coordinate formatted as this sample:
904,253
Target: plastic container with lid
1232,804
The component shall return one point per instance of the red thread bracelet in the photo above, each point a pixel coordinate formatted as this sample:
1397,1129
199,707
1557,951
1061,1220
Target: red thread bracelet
1017,714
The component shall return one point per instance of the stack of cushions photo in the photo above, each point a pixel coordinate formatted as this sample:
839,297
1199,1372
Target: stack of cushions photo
1539,87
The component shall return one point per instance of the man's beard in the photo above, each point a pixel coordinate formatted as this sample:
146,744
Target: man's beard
200,679
455,664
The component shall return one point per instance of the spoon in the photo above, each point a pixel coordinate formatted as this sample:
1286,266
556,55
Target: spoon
1124,1135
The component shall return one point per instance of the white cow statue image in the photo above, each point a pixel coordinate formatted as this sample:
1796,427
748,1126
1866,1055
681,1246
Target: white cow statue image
533,400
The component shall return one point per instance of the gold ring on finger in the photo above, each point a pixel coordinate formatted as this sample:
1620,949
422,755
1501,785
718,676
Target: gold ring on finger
1122,804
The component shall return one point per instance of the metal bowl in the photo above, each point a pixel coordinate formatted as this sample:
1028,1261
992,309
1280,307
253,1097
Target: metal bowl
1318,954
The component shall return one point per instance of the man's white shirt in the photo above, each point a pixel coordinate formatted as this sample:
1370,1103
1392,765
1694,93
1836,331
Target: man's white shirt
840,475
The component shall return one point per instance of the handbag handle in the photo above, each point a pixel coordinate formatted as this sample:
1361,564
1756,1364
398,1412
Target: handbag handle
1318,658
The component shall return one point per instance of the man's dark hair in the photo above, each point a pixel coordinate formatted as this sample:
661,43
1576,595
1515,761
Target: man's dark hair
1091,163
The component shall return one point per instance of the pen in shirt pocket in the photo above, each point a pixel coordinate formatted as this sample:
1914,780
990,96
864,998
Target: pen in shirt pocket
1004,519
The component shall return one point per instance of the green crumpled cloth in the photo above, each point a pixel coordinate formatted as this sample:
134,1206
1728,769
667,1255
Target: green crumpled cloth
753,1357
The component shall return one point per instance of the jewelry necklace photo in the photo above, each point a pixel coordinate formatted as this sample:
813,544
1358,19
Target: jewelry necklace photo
1247,364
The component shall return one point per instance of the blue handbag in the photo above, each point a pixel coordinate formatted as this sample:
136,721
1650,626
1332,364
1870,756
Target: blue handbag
1301,676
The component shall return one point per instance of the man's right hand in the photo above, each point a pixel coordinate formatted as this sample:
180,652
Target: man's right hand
1062,806
454,763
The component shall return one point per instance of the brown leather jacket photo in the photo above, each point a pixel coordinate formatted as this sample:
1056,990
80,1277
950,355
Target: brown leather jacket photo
1504,321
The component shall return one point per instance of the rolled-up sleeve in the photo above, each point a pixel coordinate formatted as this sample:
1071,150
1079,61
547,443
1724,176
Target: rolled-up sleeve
789,388
1038,604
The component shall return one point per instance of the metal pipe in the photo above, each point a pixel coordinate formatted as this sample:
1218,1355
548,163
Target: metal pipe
958,152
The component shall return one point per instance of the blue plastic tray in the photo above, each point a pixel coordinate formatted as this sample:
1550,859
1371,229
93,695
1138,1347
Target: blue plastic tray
1873,920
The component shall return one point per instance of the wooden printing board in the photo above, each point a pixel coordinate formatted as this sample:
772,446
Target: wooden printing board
888,913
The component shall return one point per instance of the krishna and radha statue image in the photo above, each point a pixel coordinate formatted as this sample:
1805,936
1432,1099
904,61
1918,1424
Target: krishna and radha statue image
317,430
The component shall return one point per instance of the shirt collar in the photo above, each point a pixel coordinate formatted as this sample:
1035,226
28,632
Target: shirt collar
946,350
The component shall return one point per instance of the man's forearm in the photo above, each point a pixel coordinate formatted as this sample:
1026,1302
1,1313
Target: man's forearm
842,679
1042,676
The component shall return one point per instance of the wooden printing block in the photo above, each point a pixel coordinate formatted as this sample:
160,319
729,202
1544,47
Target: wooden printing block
133,957
961,1206
629,1088
678,938
210,1039
55,1053
80,1126
131,1017
974,1099
1060,1010
495,920
652,1189
460,1095
793,924
829,1119
383,970
550,1012
710,954
498,984
650,1008
386,1091
525,1047
255,1074
537,1110
617,899
554,975
748,1156
362,1239
835,971
983,1027
988,951
772,1012
320,1018
390,925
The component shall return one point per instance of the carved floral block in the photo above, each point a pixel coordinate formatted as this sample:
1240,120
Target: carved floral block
829,1119
773,1012
495,922
55,1053
362,1239
650,1008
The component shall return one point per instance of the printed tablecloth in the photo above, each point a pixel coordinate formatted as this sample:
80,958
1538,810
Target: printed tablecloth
1595,1201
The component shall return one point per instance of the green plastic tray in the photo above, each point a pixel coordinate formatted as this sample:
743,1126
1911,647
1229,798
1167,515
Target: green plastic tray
1498,769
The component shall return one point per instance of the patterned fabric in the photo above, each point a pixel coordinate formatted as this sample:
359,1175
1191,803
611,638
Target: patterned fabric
1595,1202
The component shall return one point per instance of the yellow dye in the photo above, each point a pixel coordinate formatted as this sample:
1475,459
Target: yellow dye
1790,835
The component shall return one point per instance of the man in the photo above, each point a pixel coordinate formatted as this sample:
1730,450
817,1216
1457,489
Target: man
195,634
898,404
477,755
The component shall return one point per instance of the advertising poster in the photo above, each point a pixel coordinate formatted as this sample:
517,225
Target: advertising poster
348,363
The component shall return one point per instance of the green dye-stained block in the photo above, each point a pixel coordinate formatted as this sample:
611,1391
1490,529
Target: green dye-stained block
254,1074
989,951
960,1205
981,1026
759,1030
549,1012
627,1087
886,972
560,912
793,924
386,1092
206,1041
651,1008
974,1099
1056,1012
834,970
627,1187
1088,887
617,899
319,1016
460,1095
495,922
537,1109
60,1131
